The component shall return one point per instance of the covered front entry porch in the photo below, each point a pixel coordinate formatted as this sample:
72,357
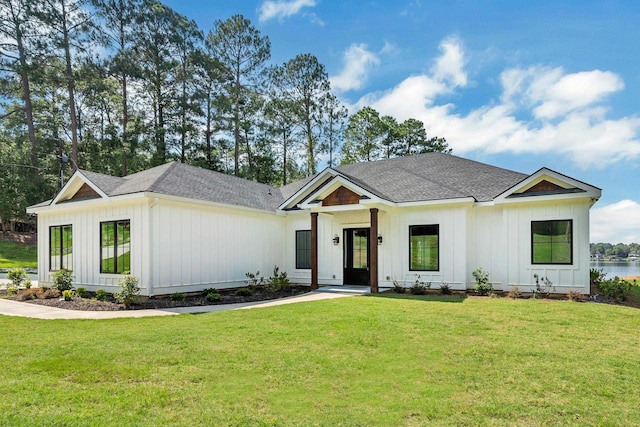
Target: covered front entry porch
359,250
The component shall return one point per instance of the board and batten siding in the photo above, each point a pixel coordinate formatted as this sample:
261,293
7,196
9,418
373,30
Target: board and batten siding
200,246
500,242
394,251
85,220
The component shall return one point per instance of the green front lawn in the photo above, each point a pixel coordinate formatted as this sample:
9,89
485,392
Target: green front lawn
14,254
364,361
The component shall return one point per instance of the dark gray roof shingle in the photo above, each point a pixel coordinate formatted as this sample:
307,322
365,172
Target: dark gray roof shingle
424,177
431,176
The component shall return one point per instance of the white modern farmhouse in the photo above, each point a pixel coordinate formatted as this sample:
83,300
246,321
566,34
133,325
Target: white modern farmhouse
437,216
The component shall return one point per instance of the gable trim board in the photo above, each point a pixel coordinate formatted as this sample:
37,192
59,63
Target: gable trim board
192,228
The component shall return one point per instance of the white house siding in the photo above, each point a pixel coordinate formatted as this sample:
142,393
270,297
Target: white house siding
194,246
500,242
85,217
394,252
487,244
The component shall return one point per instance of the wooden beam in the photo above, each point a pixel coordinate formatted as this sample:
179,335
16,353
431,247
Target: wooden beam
314,250
373,251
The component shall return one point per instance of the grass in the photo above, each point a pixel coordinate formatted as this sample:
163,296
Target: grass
14,254
365,361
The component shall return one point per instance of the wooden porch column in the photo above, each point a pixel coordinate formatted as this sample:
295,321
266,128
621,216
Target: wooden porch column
373,251
314,250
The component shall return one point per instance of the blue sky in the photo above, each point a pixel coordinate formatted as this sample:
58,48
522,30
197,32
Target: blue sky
519,85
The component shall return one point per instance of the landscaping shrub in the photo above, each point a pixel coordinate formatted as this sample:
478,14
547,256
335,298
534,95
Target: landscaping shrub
398,288
62,280
278,282
213,296
27,283
245,292
12,289
596,277
482,286
101,295
514,293
445,289
254,280
544,286
67,294
48,293
177,297
17,276
129,293
575,295
419,287
28,294
615,289
81,292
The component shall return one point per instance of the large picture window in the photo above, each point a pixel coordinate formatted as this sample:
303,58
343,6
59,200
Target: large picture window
303,249
60,247
115,247
424,245
552,242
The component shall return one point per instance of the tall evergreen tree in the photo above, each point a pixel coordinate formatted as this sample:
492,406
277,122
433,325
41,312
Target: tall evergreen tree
119,32
243,51
17,31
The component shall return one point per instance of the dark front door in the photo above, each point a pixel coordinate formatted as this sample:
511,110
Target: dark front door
356,256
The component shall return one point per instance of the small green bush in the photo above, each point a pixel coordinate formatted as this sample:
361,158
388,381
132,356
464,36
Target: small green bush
177,297
419,287
279,282
62,280
27,283
398,288
12,289
615,289
245,292
254,280
482,286
129,293
101,295
213,296
17,276
81,292
67,294
445,289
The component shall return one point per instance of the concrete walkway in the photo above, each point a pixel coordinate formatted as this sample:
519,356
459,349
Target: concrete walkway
25,309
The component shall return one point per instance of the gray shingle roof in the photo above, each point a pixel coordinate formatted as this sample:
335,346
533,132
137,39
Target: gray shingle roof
182,180
424,177
431,176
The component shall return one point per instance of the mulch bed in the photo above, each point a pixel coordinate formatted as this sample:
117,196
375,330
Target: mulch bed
89,303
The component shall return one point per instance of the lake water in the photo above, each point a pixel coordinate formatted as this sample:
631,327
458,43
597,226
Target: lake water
618,268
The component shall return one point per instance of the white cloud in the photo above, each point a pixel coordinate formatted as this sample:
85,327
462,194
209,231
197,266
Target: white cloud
357,62
616,223
567,114
279,9
450,66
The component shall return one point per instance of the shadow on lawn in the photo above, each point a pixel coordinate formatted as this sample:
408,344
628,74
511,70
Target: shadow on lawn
455,298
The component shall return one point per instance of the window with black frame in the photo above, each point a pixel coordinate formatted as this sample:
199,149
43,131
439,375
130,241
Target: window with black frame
424,247
60,247
303,249
115,247
552,242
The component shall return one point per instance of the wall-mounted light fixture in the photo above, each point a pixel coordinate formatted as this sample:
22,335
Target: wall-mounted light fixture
336,240
379,239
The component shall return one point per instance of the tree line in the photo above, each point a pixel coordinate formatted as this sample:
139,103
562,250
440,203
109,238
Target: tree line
118,86
620,250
